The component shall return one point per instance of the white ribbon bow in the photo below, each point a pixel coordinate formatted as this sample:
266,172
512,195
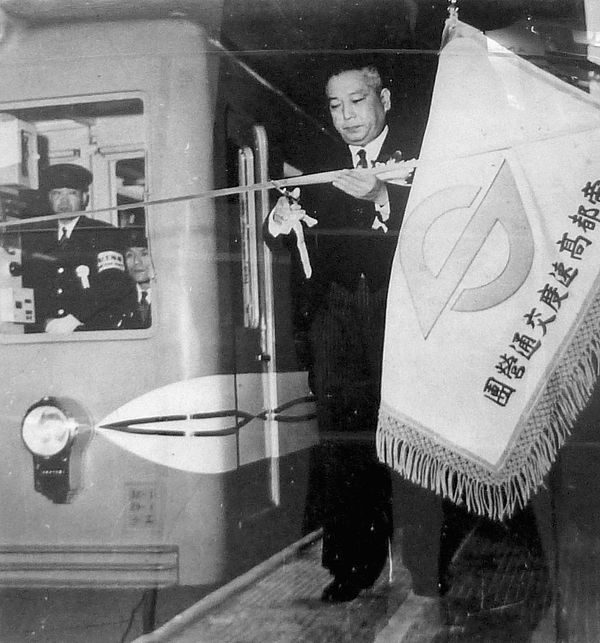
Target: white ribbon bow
293,222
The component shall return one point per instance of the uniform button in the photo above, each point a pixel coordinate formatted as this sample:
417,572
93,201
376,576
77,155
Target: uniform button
61,311
59,291
60,270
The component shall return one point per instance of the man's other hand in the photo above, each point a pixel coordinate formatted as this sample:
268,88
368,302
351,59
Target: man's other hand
361,185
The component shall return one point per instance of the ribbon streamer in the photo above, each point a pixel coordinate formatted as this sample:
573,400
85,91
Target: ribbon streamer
293,223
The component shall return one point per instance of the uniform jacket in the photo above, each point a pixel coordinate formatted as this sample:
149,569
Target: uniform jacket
83,276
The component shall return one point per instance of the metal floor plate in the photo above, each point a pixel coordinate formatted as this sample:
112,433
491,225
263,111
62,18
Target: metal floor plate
284,606
499,593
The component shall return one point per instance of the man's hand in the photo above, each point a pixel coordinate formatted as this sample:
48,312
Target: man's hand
361,185
62,325
283,216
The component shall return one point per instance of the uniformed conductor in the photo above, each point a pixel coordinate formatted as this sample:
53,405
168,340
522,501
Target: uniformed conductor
74,264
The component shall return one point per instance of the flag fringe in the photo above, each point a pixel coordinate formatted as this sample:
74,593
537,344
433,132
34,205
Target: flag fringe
498,494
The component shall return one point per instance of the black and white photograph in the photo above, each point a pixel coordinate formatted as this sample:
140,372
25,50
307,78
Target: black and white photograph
299,321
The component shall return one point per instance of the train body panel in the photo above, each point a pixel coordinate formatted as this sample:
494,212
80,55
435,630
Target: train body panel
190,469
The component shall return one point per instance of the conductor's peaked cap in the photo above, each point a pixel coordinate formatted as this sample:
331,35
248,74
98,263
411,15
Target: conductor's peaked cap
66,175
135,237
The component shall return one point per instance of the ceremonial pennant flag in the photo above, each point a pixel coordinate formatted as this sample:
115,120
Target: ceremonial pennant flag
493,328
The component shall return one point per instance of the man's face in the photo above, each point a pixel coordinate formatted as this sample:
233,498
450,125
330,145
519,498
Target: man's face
139,264
67,200
357,110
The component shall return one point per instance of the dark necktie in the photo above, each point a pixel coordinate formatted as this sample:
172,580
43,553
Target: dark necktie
144,308
63,236
362,158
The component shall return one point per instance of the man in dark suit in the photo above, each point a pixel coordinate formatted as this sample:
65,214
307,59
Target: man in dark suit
350,251
74,264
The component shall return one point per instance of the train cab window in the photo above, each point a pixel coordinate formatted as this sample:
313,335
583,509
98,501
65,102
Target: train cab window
62,274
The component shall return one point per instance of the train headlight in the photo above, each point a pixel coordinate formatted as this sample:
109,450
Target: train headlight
47,430
56,432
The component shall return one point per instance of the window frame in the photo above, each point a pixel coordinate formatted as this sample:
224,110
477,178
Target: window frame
111,154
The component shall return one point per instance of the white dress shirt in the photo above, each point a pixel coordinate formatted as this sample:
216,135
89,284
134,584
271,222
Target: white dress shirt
67,225
147,291
372,150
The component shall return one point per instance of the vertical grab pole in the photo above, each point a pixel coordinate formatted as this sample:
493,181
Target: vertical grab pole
267,314
250,277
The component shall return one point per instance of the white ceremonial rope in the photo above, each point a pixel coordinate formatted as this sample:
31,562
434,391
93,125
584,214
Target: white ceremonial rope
393,174
385,172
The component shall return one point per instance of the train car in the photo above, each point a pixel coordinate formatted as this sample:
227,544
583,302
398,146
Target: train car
176,454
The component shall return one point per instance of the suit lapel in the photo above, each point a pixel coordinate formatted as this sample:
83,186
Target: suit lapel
387,149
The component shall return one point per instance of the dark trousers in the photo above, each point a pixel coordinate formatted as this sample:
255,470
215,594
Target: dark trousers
351,491
420,514
351,488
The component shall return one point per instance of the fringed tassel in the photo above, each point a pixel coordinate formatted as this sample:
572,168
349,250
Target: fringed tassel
494,494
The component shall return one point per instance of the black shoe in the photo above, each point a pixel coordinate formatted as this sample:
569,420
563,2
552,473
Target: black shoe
340,591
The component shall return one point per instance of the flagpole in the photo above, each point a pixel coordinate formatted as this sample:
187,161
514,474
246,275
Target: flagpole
453,10
450,23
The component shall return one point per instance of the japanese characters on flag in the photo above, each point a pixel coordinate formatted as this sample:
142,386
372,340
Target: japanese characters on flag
493,314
